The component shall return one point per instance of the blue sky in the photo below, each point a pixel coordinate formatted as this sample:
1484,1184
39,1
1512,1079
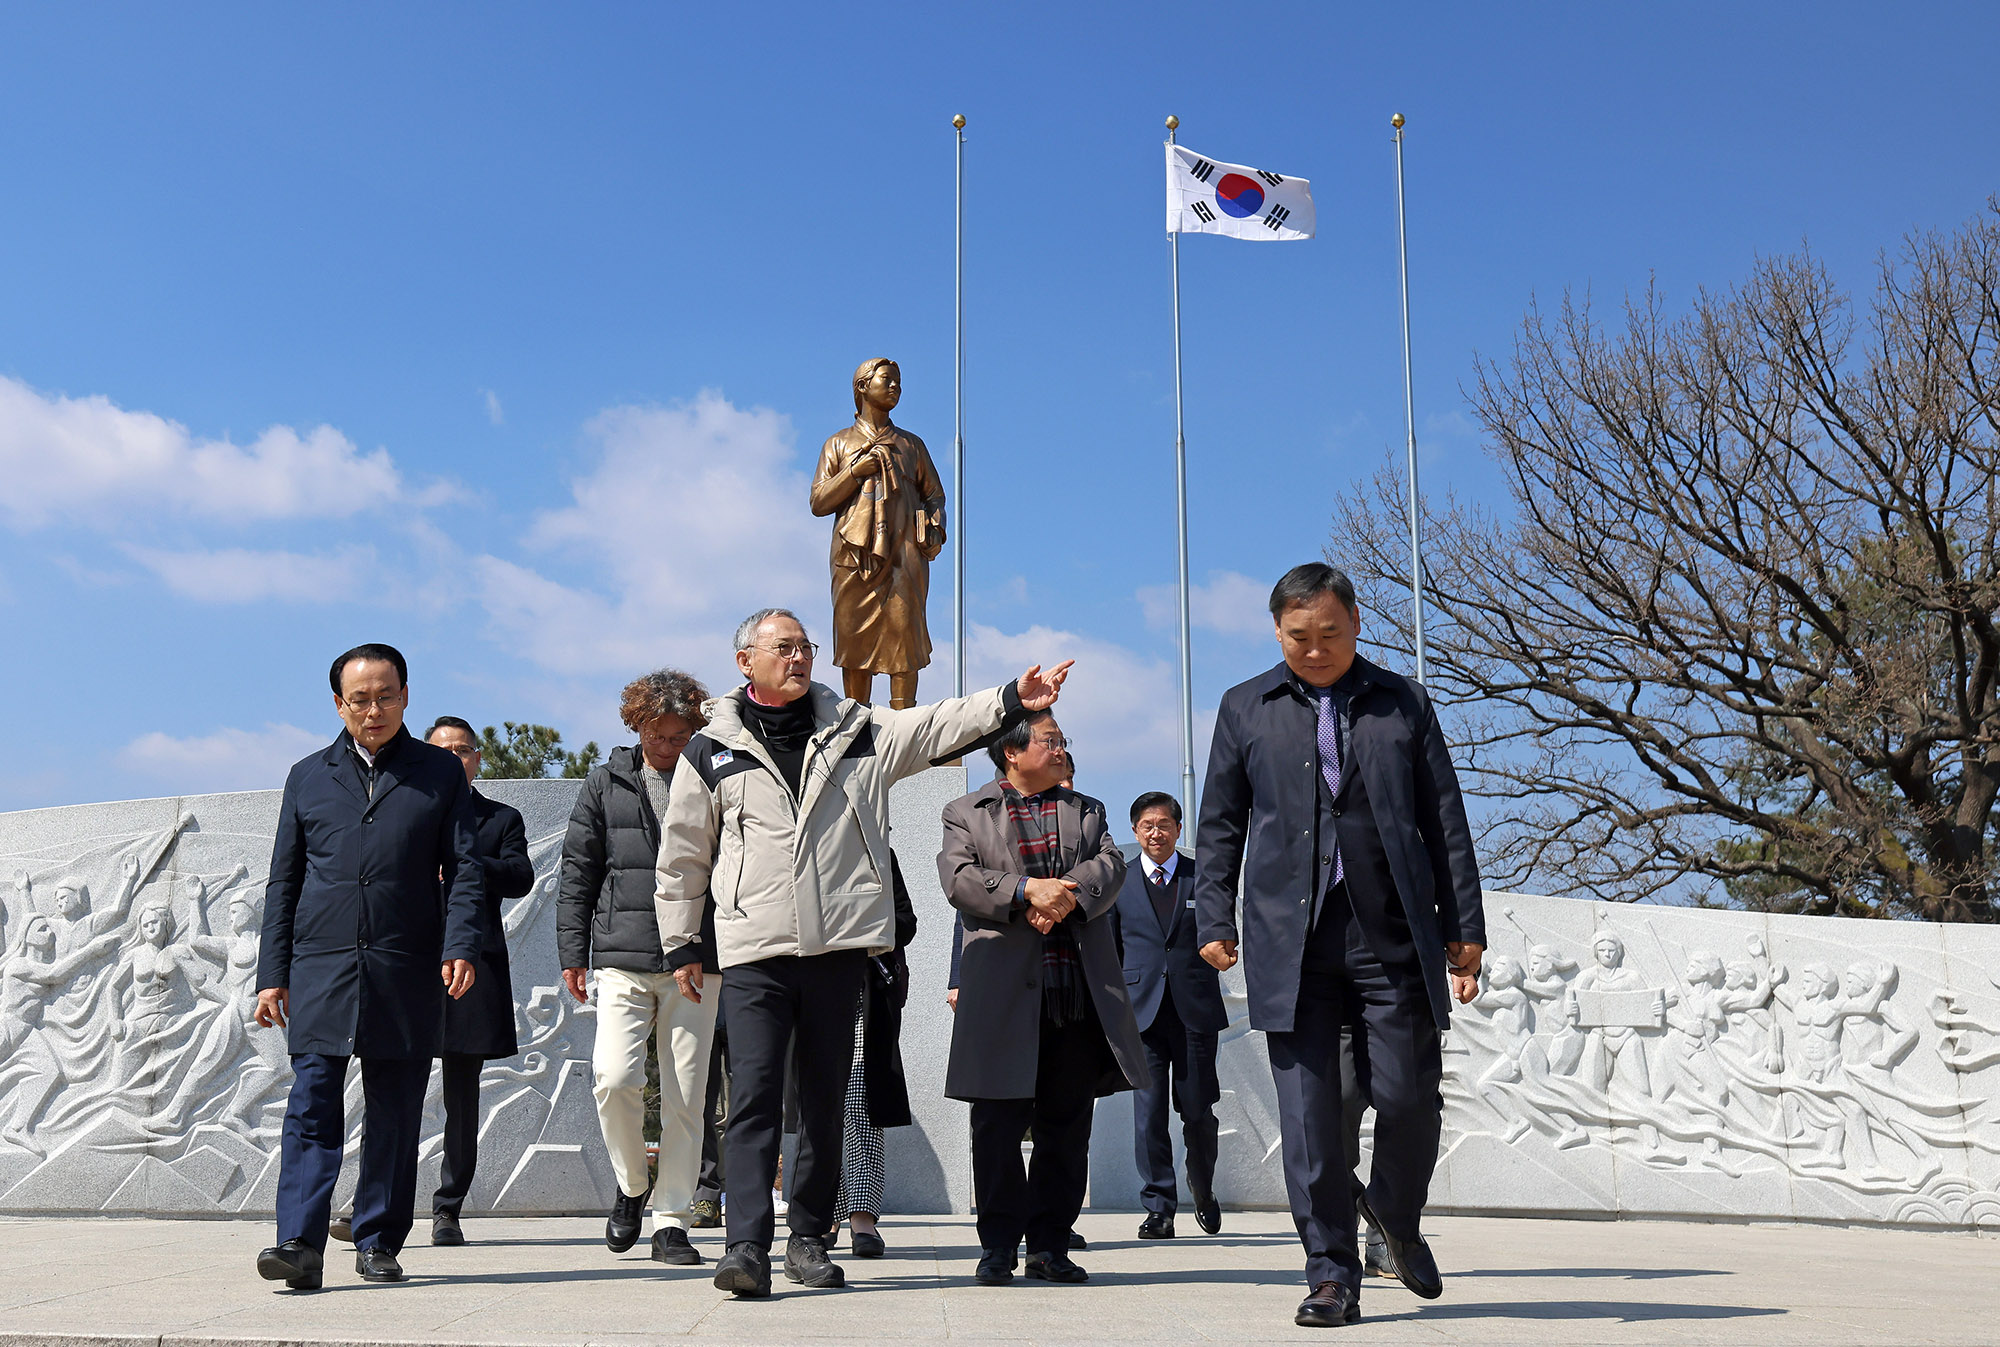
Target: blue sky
509,333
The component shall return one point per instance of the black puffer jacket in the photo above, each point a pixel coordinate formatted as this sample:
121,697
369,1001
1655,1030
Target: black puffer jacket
604,911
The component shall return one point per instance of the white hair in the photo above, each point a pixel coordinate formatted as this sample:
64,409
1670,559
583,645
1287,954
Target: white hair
746,630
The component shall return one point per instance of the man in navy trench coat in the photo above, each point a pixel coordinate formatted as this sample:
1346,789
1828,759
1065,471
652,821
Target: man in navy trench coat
372,916
1332,795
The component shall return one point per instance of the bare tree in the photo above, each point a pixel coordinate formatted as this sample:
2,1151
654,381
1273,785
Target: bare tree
1735,640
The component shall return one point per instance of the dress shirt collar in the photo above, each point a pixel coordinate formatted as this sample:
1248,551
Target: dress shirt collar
1146,863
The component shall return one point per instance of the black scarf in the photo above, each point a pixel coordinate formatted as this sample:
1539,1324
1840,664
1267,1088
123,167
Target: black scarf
784,731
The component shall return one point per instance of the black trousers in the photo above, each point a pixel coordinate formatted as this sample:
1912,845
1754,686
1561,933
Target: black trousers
392,1093
1398,1063
1041,1199
710,1183
768,1004
1353,1104
461,1071
1182,1061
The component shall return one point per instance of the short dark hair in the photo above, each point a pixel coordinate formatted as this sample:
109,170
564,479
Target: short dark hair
372,650
1303,584
451,723
1016,737
1153,799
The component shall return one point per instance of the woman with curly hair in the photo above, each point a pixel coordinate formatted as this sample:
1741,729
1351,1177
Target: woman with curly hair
605,922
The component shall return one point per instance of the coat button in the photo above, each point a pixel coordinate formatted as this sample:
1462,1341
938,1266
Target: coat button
361,944
364,879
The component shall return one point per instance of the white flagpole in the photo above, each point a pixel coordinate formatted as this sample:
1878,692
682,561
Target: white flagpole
958,434
1180,490
1409,410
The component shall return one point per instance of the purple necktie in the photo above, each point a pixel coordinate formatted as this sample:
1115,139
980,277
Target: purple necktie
1329,765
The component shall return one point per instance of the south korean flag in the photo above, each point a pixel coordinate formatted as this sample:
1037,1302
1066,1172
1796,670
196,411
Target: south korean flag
1207,196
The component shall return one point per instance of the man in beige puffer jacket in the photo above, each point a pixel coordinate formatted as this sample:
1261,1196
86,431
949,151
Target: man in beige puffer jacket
779,818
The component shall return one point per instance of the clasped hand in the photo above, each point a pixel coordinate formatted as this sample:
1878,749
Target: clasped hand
1049,901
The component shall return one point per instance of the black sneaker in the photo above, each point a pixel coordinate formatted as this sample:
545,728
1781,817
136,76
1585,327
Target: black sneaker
806,1263
670,1245
745,1270
621,1231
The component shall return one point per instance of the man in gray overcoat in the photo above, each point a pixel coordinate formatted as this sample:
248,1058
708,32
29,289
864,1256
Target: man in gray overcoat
1043,1026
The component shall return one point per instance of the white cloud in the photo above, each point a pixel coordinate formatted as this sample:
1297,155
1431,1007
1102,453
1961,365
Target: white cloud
228,759
240,575
692,516
1122,708
1230,603
494,412
87,459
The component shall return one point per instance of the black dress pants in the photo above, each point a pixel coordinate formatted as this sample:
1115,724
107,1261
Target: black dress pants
461,1072
768,1004
1399,1065
1040,1200
1182,1061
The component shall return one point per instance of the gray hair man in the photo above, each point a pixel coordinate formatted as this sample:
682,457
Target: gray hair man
777,831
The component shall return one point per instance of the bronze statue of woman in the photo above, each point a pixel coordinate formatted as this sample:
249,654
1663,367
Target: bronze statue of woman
887,503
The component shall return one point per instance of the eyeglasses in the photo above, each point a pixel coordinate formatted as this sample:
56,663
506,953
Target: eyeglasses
465,750
1056,744
366,704
790,650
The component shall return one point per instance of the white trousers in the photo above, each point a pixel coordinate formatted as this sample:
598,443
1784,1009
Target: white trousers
629,1005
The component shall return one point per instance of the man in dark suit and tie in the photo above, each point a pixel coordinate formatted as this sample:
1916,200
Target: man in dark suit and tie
1177,998
372,916
1332,795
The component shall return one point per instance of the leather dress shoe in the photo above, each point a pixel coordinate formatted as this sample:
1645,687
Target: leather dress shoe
745,1270
1156,1226
621,1228
1207,1212
377,1265
868,1244
807,1264
995,1269
670,1246
1409,1259
1330,1305
1054,1267
295,1263
1078,1242
341,1228
445,1231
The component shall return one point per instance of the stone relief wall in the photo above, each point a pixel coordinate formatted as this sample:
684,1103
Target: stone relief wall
1618,1061
1664,1062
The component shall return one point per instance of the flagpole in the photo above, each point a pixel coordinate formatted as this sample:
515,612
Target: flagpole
1409,410
1180,495
958,434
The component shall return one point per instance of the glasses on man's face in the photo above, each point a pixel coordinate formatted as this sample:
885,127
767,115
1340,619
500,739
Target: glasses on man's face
1054,743
363,705
790,650
465,751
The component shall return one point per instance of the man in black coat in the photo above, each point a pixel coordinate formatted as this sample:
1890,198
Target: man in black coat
479,1026
375,882
1332,795
1177,999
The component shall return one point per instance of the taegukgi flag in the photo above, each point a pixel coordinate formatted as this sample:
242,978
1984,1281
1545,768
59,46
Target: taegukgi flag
1207,196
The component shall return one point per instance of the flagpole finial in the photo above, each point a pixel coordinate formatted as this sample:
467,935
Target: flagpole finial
1173,122
1396,120
958,120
